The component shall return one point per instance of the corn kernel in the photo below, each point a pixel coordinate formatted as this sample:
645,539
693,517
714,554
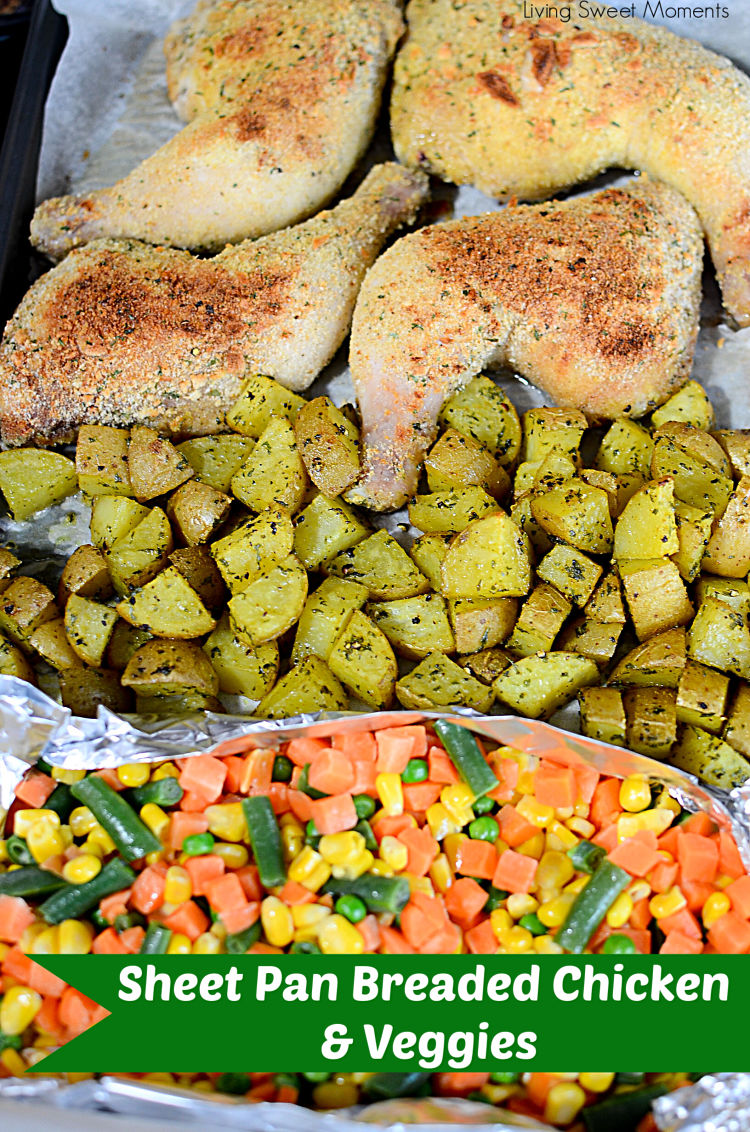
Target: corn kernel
545,945
276,918
665,801
458,799
68,777
340,848
67,835
517,940
564,1102
655,820
233,856
535,812
521,904
18,1009
635,793
638,889
534,847
667,903
155,818
308,917
99,836
441,873
309,869
134,774
207,944
47,942
500,922
723,880
337,936
82,821
394,853
354,868
76,937
179,944
419,884
3,850
82,868
380,869
25,819
554,912
330,1094
440,821
581,826
565,837
716,906
13,1062
390,792
217,928
166,770
578,885
554,870
45,840
28,936
177,885
292,841
595,1082
452,843
94,850
227,821
620,911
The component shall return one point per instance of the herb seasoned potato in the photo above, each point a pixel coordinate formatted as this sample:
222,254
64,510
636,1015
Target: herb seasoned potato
86,574
273,474
571,572
50,642
381,565
647,527
325,615
328,444
84,690
656,595
271,604
199,569
719,637
112,518
216,459
89,626
461,461
154,464
261,401
553,430
481,623
450,510
415,626
690,405
651,721
603,715
627,447
429,551
658,662
363,660
24,606
324,529
540,620
728,550
196,509
702,695
578,514
138,556
253,548
174,667
32,479
737,727
709,758
102,460
167,607
242,669
491,558
538,685
307,687
438,682
481,410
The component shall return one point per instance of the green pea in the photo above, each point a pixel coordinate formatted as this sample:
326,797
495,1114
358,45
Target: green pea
504,1078
483,804
416,770
533,924
484,829
618,945
196,844
315,1078
496,897
305,947
312,834
282,769
235,1083
351,907
364,805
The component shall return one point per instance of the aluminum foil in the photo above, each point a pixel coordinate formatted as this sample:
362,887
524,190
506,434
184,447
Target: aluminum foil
719,1102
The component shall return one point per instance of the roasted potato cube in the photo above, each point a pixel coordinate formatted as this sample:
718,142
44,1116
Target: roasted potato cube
215,459
155,466
617,497
695,481
701,445
689,405
520,513
253,548
480,624
719,637
170,667
491,558
167,607
736,444
438,682
201,573
86,574
271,604
709,758
525,477
125,640
242,669
702,697
428,552
415,626
536,686
450,511
362,659
553,430
382,565
328,444
171,705
728,551
647,527
8,563
482,410
102,460
113,517
693,533
731,591
273,474
308,687
541,618
487,664
651,721
138,557
83,690
656,595
605,603
737,727
197,510
555,469
24,606
576,513
658,662
461,461
51,643
324,529
627,447
89,627
628,483
14,663
602,715
33,478
570,572
596,640
262,400
325,614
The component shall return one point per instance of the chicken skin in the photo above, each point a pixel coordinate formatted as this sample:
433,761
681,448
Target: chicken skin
523,107
281,97
121,332
594,300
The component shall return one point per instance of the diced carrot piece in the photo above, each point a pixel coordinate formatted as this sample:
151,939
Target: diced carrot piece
515,872
739,893
35,788
587,780
189,919
293,893
132,938
418,796
668,840
396,746
432,906
204,776
459,1084
235,769
303,751
391,825
442,769
225,892
192,802
148,891
108,942
115,905
204,869
514,828
730,934
637,855
641,938
75,1010
476,858
416,926
39,979
445,942
364,776
606,838
506,771
249,878
663,876
698,856
539,1085
641,916
481,939
15,917
111,777
184,825
16,965
331,772
48,1018
422,848
678,944
392,942
300,804
683,922
234,746
258,772
241,918
555,785
278,796
359,746
334,814
730,862
605,802
287,1094
699,823
696,892
464,900
369,929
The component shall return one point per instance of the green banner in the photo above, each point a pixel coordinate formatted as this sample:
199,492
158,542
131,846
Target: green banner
404,1013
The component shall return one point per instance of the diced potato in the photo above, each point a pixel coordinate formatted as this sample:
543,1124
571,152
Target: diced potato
196,509
273,474
693,533
658,662
308,687
242,669
525,477
555,469
382,565
102,460
602,715
254,548
520,513
451,510
362,659
324,529
482,410
154,464
24,606
89,626
201,573
605,604
33,478
86,574
576,513
216,459
8,563
167,607
571,572
697,443
325,615
647,527
487,664
169,705
125,640
491,558
609,482
651,721
736,444
541,618
461,461
438,682
702,697
626,447
113,517
481,624
415,626
719,637
174,667
428,552
731,591
536,686
709,758
695,481
728,551
328,445
596,640
628,483
271,604
261,400
656,595
83,690
689,405
51,642
548,430
138,557
737,728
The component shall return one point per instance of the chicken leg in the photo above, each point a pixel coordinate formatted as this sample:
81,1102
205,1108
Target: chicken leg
121,332
524,106
594,300
281,97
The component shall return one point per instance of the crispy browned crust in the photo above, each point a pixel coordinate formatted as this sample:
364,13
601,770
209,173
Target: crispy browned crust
595,300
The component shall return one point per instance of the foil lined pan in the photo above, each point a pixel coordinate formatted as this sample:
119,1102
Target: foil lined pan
719,1102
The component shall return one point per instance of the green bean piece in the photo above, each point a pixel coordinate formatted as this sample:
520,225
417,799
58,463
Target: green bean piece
622,1112
385,1086
586,856
237,943
18,851
380,894
265,840
132,838
591,906
156,940
29,880
61,800
162,792
466,755
76,900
